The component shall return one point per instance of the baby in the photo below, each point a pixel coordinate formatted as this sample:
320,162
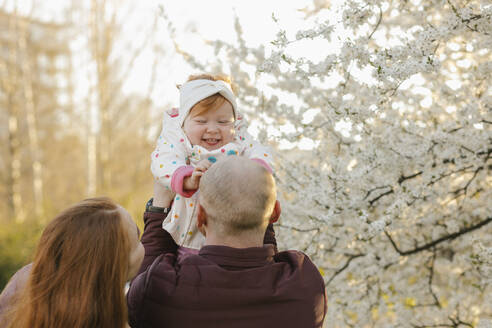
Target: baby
206,127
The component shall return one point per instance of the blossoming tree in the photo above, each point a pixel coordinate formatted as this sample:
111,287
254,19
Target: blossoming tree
394,200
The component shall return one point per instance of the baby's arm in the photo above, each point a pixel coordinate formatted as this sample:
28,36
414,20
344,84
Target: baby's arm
261,154
252,148
192,182
169,159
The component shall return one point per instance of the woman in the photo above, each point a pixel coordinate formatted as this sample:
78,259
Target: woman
83,260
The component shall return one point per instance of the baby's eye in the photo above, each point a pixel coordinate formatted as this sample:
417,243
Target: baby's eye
224,122
200,121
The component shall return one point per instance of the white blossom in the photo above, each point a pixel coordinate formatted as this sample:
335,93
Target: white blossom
393,200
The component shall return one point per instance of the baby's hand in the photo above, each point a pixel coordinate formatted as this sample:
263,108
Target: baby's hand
192,182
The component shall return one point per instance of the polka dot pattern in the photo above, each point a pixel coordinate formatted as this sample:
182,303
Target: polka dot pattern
169,158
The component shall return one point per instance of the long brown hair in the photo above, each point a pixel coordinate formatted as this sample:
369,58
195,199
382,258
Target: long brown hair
79,271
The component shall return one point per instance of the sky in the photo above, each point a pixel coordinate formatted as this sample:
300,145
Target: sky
194,21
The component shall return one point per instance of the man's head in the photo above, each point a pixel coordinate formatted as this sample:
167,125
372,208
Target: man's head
237,198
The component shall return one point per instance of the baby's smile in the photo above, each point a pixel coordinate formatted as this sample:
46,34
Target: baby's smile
211,141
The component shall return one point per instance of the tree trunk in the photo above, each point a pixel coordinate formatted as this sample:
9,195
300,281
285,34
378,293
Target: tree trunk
13,175
10,84
92,148
101,45
26,71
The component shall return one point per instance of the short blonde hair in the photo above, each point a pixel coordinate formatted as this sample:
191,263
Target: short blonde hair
238,195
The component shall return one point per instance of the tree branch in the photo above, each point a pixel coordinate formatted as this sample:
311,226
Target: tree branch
372,201
297,229
448,174
431,277
403,178
347,263
377,24
464,189
468,20
438,241
373,189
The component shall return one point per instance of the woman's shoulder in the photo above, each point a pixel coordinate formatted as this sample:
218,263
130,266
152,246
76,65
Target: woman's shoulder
19,279
15,284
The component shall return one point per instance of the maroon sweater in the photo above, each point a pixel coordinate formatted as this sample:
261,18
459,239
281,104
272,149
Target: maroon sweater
223,286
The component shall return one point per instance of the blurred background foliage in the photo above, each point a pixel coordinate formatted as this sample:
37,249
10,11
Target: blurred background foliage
17,244
68,131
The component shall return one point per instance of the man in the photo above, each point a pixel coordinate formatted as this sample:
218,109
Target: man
238,279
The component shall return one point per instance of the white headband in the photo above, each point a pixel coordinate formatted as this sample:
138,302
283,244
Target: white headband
194,91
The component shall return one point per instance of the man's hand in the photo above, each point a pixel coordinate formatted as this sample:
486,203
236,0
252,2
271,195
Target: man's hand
162,196
193,182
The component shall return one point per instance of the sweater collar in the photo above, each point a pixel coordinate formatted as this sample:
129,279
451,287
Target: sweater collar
238,257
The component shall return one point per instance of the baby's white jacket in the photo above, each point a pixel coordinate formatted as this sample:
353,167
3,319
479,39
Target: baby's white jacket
175,158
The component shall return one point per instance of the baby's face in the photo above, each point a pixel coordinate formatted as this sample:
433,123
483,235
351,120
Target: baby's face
211,129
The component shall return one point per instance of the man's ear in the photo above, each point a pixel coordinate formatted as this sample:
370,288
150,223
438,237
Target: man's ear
201,219
276,212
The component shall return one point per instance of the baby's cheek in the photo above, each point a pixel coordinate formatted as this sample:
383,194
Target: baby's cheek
232,133
192,133
187,130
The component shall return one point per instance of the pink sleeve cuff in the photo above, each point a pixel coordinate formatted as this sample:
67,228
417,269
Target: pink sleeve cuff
177,181
263,163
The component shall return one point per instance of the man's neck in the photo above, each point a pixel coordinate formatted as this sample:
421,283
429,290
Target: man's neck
239,242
